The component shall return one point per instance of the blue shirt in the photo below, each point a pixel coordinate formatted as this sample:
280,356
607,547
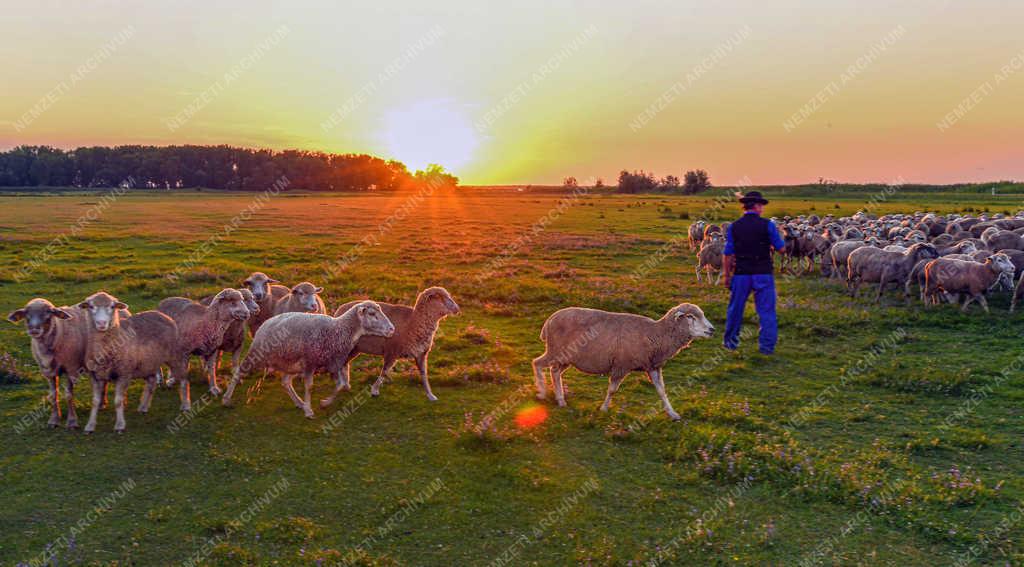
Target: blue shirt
773,233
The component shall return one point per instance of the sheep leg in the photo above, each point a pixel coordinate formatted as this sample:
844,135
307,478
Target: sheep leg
184,395
697,271
53,397
286,383
307,384
69,397
97,399
984,302
613,386
104,404
120,389
421,364
375,389
881,286
210,364
235,356
659,385
236,377
556,379
147,393
538,376
342,383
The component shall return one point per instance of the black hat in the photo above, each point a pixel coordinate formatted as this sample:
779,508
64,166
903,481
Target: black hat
753,197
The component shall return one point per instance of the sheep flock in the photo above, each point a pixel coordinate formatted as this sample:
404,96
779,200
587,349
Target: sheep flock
948,258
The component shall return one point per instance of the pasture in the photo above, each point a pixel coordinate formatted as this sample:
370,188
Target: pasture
877,434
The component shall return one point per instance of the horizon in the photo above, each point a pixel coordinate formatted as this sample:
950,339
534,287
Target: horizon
527,95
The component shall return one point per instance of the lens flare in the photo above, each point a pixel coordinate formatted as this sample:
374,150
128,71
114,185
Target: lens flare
531,416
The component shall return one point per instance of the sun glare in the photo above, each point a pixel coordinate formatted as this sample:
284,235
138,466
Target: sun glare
434,131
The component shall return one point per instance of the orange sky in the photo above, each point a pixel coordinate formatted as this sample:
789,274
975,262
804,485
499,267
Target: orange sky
531,91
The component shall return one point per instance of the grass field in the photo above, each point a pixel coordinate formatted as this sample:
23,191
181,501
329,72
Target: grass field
876,435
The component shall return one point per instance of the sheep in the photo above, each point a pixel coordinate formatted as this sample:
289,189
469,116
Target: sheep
415,328
307,343
959,276
201,328
874,265
964,247
841,250
58,336
601,342
266,292
710,256
234,336
303,298
695,234
1000,239
118,350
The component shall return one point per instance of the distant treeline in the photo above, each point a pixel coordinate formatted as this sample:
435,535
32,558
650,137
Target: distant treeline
214,167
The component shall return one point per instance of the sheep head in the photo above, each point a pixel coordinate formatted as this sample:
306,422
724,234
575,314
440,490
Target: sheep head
690,318
103,310
230,304
438,302
306,294
259,284
38,314
250,301
373,320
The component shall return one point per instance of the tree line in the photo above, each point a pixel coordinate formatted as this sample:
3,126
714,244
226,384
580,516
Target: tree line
693,182
214,167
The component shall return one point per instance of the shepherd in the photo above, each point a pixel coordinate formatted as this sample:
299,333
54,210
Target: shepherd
747,267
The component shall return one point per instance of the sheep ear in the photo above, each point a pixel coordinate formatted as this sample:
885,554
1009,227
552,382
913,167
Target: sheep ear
319,290
85,305
272,280
16,315
61,313
246,283
120,305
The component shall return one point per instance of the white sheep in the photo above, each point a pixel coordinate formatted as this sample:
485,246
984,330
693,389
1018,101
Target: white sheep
307,343
600,342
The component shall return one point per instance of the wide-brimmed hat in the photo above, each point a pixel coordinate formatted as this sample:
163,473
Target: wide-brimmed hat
753,197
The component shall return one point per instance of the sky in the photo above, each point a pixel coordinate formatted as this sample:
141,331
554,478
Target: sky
529,92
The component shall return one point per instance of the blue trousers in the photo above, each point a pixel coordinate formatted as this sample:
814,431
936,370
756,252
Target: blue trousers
763,286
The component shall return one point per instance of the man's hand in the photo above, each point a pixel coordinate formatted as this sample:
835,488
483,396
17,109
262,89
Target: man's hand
727,282
728,265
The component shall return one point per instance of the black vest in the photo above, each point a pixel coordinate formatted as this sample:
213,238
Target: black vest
752,245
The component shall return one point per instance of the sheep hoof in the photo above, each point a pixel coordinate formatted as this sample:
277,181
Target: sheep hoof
375,393
53,425
324,403
308,412
542,396
119,431
226,402
432,397
72,425
186,407
561,403
674,416
216,391
87,431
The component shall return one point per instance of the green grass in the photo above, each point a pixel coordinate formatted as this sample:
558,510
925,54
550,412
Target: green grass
809,456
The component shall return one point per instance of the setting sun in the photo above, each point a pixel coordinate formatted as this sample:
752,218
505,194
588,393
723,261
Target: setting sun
432,131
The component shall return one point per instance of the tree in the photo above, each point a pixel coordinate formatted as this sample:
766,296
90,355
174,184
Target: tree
637,182
670,183
696,181
570,183
435,176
